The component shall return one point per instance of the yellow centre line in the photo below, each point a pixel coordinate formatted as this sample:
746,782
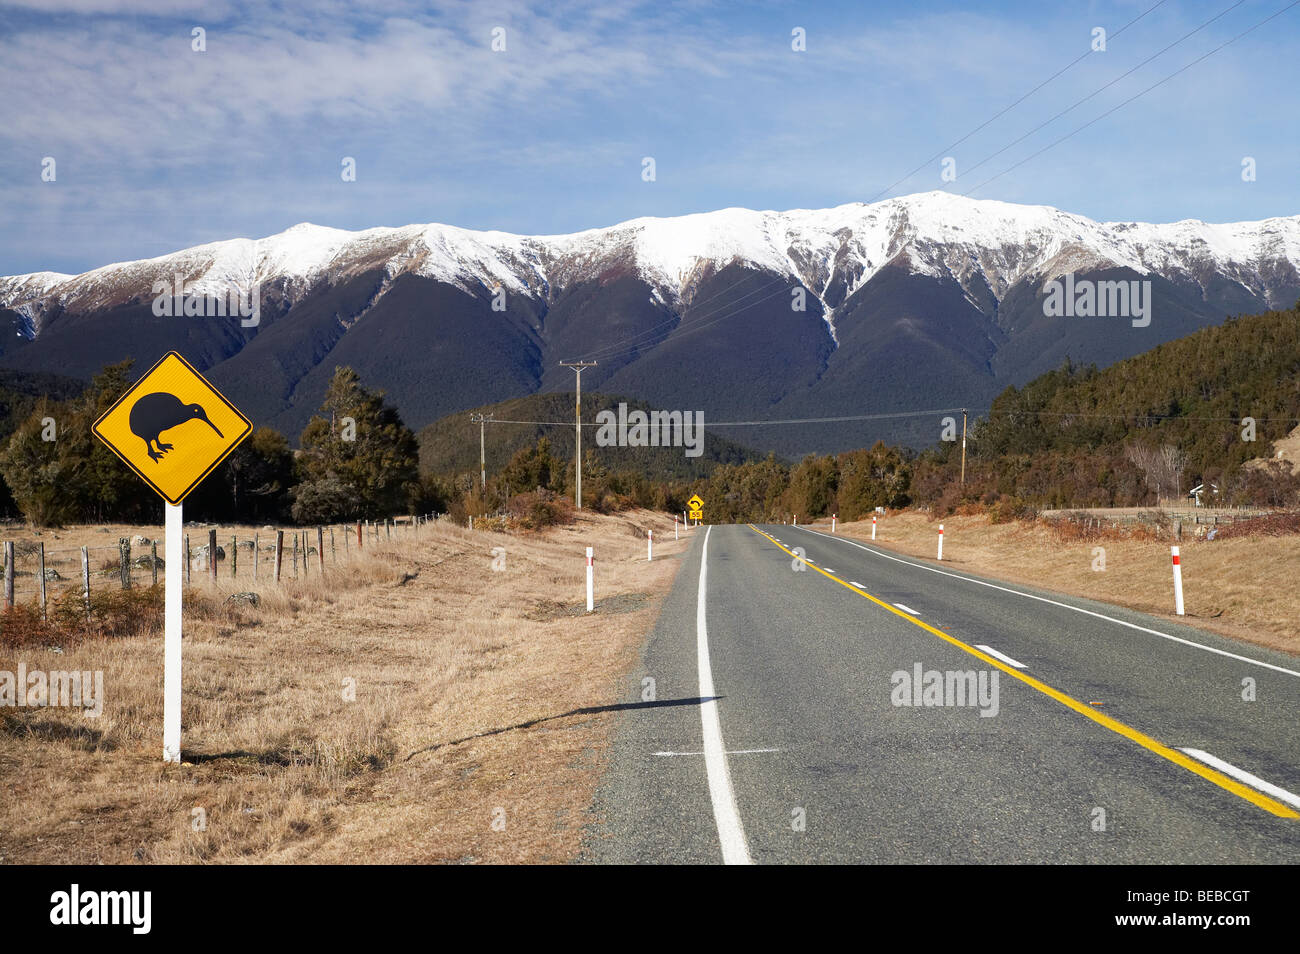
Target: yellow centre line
1173,755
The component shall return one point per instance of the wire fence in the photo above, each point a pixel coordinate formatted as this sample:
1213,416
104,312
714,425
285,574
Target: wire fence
270,555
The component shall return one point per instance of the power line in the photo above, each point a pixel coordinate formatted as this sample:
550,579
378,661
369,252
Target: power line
1113,109
619,349
789,420
1107,86
889,188
888,415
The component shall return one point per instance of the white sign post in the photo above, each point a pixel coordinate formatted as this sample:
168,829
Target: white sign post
650,546
940,541
174,571
172,397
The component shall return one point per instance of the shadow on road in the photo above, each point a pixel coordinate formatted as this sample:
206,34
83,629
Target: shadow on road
586,710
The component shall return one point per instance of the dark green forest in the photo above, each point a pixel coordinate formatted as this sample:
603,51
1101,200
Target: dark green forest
1203,409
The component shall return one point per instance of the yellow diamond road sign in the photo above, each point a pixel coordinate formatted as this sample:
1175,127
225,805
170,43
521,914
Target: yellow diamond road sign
172,427
695,503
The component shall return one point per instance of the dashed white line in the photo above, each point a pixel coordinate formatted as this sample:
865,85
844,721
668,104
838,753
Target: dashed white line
731,752
1003,656
906,609
860,586
828,569
731,834
1241,775
1077,609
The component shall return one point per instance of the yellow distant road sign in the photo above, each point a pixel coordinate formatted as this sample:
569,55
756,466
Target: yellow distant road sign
695,503
172,427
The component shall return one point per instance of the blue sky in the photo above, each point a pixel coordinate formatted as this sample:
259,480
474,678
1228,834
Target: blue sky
159,147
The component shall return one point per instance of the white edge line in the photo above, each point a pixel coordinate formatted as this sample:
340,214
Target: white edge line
1077,609
906,609
1241,775
1003,656
731,834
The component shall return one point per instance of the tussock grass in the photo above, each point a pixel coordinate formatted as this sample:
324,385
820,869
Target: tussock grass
383,711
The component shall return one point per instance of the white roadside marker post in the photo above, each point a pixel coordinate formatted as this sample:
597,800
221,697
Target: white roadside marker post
650,546
674,526
833,516
1178,582
591,563
873,526
175,540
940,541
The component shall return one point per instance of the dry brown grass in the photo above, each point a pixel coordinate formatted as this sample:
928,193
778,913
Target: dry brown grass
474,693
1242,587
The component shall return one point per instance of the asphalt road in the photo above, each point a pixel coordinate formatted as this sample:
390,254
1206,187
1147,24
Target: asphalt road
775,729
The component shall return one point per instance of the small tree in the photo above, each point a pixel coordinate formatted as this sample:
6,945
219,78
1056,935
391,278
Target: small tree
357,456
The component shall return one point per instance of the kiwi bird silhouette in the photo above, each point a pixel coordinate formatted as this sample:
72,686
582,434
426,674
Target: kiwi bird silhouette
159,411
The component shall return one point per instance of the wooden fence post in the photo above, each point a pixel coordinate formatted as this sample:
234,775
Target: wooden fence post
124,560
334,556
9,574
360,544
85,579
279,553
188,559
295,554
234,556
320,547
212,554
153,560
256,548
41,569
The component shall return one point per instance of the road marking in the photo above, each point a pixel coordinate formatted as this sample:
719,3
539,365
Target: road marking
905,609
1003,656
1077,609
855,583
731,834
1242,775
732,752
829,570
1220,779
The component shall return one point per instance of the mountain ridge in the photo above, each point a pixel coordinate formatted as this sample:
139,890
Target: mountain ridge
668,250
927,300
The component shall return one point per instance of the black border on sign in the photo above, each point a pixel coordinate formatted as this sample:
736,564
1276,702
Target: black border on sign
248,428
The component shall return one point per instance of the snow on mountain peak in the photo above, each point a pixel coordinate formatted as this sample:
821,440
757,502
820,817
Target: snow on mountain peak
980,243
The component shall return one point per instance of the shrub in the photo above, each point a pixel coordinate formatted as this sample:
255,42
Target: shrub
538,509
114,613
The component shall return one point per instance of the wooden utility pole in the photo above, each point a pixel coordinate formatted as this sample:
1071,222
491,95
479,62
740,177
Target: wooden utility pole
578,367
963,447
482,421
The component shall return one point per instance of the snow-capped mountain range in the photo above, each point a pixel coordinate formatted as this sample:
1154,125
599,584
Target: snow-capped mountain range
982,244
942,286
